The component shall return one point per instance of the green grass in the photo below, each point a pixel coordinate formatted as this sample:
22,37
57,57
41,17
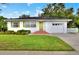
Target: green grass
33,42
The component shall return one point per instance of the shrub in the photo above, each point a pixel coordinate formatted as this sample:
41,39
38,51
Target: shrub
23,32
9,32
28,31
2,33
19,32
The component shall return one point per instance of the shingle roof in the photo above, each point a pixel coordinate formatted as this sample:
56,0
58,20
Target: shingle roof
54,17
36,18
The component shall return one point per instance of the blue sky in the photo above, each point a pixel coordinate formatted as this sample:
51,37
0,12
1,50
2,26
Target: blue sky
14,10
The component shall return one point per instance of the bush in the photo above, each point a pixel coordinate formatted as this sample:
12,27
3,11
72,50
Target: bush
19,32
23,32
2,33
9,32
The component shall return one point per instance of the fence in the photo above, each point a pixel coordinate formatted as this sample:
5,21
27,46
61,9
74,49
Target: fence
72,30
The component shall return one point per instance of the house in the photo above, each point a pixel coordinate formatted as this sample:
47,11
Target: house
39,24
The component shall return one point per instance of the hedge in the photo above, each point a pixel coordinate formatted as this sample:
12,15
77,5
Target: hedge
19,32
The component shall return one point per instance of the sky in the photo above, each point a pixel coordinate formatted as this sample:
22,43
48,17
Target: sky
14,10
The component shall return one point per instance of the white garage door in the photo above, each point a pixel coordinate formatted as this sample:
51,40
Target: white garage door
54,27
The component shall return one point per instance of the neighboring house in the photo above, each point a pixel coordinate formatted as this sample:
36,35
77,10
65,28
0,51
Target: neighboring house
37,24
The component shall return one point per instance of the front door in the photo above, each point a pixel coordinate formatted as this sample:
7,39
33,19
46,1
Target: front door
41,25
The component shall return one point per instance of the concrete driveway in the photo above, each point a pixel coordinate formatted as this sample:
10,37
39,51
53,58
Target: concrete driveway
71,39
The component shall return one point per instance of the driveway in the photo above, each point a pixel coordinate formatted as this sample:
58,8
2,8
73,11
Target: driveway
71,39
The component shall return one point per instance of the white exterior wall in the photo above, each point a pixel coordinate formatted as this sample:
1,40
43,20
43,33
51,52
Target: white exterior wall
48,27
65,27
22,28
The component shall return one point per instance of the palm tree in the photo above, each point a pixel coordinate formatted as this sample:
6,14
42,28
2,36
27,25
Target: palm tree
69,12
59,9
54,9
78,12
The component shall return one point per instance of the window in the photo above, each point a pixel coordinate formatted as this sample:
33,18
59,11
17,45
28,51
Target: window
56,24
29,24
15,24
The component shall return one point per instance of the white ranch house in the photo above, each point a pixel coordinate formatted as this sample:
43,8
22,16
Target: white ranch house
34,24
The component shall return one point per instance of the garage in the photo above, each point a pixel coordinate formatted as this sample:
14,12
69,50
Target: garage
55,27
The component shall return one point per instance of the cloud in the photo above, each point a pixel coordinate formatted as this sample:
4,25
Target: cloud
25,12
38,12
28,12
4,6
29,4
15,12
10,15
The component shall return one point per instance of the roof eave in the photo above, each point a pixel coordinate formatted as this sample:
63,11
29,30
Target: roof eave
38,20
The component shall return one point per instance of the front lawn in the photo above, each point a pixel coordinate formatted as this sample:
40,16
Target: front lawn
33,42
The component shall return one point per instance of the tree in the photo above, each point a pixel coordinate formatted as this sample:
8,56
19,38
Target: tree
78,12
59,10
3,25
24,16
69,13
77,18
54,9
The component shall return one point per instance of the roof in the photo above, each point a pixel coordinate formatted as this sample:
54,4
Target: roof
39,19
